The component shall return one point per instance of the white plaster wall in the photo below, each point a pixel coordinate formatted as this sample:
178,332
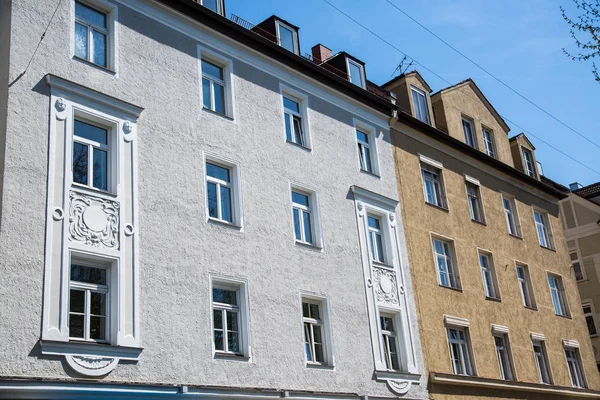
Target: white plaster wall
158,70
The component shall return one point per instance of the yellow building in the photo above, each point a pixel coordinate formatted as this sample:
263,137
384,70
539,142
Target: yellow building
499,312
581,220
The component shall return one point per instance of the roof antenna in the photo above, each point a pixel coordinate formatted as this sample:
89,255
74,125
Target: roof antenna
403,67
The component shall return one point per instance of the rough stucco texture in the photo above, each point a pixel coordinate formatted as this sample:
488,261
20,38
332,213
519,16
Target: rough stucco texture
158,70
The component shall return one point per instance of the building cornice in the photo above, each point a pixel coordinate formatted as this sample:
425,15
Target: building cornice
448,140
498,384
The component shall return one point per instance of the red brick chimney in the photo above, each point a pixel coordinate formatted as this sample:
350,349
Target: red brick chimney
320,53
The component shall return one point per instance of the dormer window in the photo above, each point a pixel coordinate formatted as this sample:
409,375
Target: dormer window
356,72
528,163
214,5
420,105
288,37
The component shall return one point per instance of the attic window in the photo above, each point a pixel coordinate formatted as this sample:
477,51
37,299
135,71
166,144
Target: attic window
356,73
288,37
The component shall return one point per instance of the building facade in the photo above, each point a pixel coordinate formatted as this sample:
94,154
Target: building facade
581,220
499,312
189,207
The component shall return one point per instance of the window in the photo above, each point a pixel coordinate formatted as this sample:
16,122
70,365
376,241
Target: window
511,215
525,286
445,264
460,356
558,295
88,302
488,275
91,155
528,163
390,342
577,268
356,73
475,205
219,192
92,35
574,364
376,240
213,5
504,357
302,214
226,319
432,185
314,342
541,225
364,151
468,130
588,313
288,38
420,105
294,129
488,142
213,87
541,361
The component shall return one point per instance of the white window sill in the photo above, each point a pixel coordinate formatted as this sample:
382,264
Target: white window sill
300,146
218,114
222,355
382,265
90,349
322,366
373,174
224,223
308,245
385,375
93,190
94,65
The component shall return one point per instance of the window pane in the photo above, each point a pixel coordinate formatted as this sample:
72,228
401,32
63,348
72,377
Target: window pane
100,169
219,92
319,353
233,342
379,248
218,172
314,311
232,321
219,345
305,312
212,70
288,127
98,328
206,93
368,163
90,132
85,274
374,223
98,304
80,163
225,296
297,224
218,319
76,326
291,105
81,41
99,48
226,204
591,326
286,38
298,137
77,301
307,227
355,74
299,198
92,16
361,136
307,342
211,5
317,334
213,210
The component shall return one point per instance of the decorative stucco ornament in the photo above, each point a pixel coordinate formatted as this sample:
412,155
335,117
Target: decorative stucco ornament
385,285
399,387
91,365
93,221
57,213
130,133
61,105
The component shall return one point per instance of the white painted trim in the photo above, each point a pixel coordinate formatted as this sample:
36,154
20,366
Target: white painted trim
278,24
311,192
326,325
302,99
537,336
236,176
372,132
430,161
228,74
570,343
472,180
499,329
451,321
362,72
374,198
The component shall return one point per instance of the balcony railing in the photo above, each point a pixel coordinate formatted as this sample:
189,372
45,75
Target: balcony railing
251,27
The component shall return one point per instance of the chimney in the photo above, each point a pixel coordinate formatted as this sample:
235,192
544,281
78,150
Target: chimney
575,186
320,53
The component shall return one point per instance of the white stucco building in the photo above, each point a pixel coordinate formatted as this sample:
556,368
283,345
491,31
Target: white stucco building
190,208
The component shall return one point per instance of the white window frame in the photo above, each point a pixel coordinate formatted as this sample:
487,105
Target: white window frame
526,294
450,262
559,290
547,238
220,7
227,65
591,314
278,25
111,11
440,202
514,213
575,367
302,100
544,371
372,233
505,364
578,261
235,186
488,275
465,355
478,198
419,92
325,324
489,142
473,137
529,166
313,210
362,73
371,132
241,288
385,336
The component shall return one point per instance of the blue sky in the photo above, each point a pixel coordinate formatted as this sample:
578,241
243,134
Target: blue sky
518,41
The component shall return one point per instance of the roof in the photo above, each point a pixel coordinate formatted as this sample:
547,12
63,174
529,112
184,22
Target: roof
524,136
546,185
554,184
413,72
481,96
589,192
219,23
